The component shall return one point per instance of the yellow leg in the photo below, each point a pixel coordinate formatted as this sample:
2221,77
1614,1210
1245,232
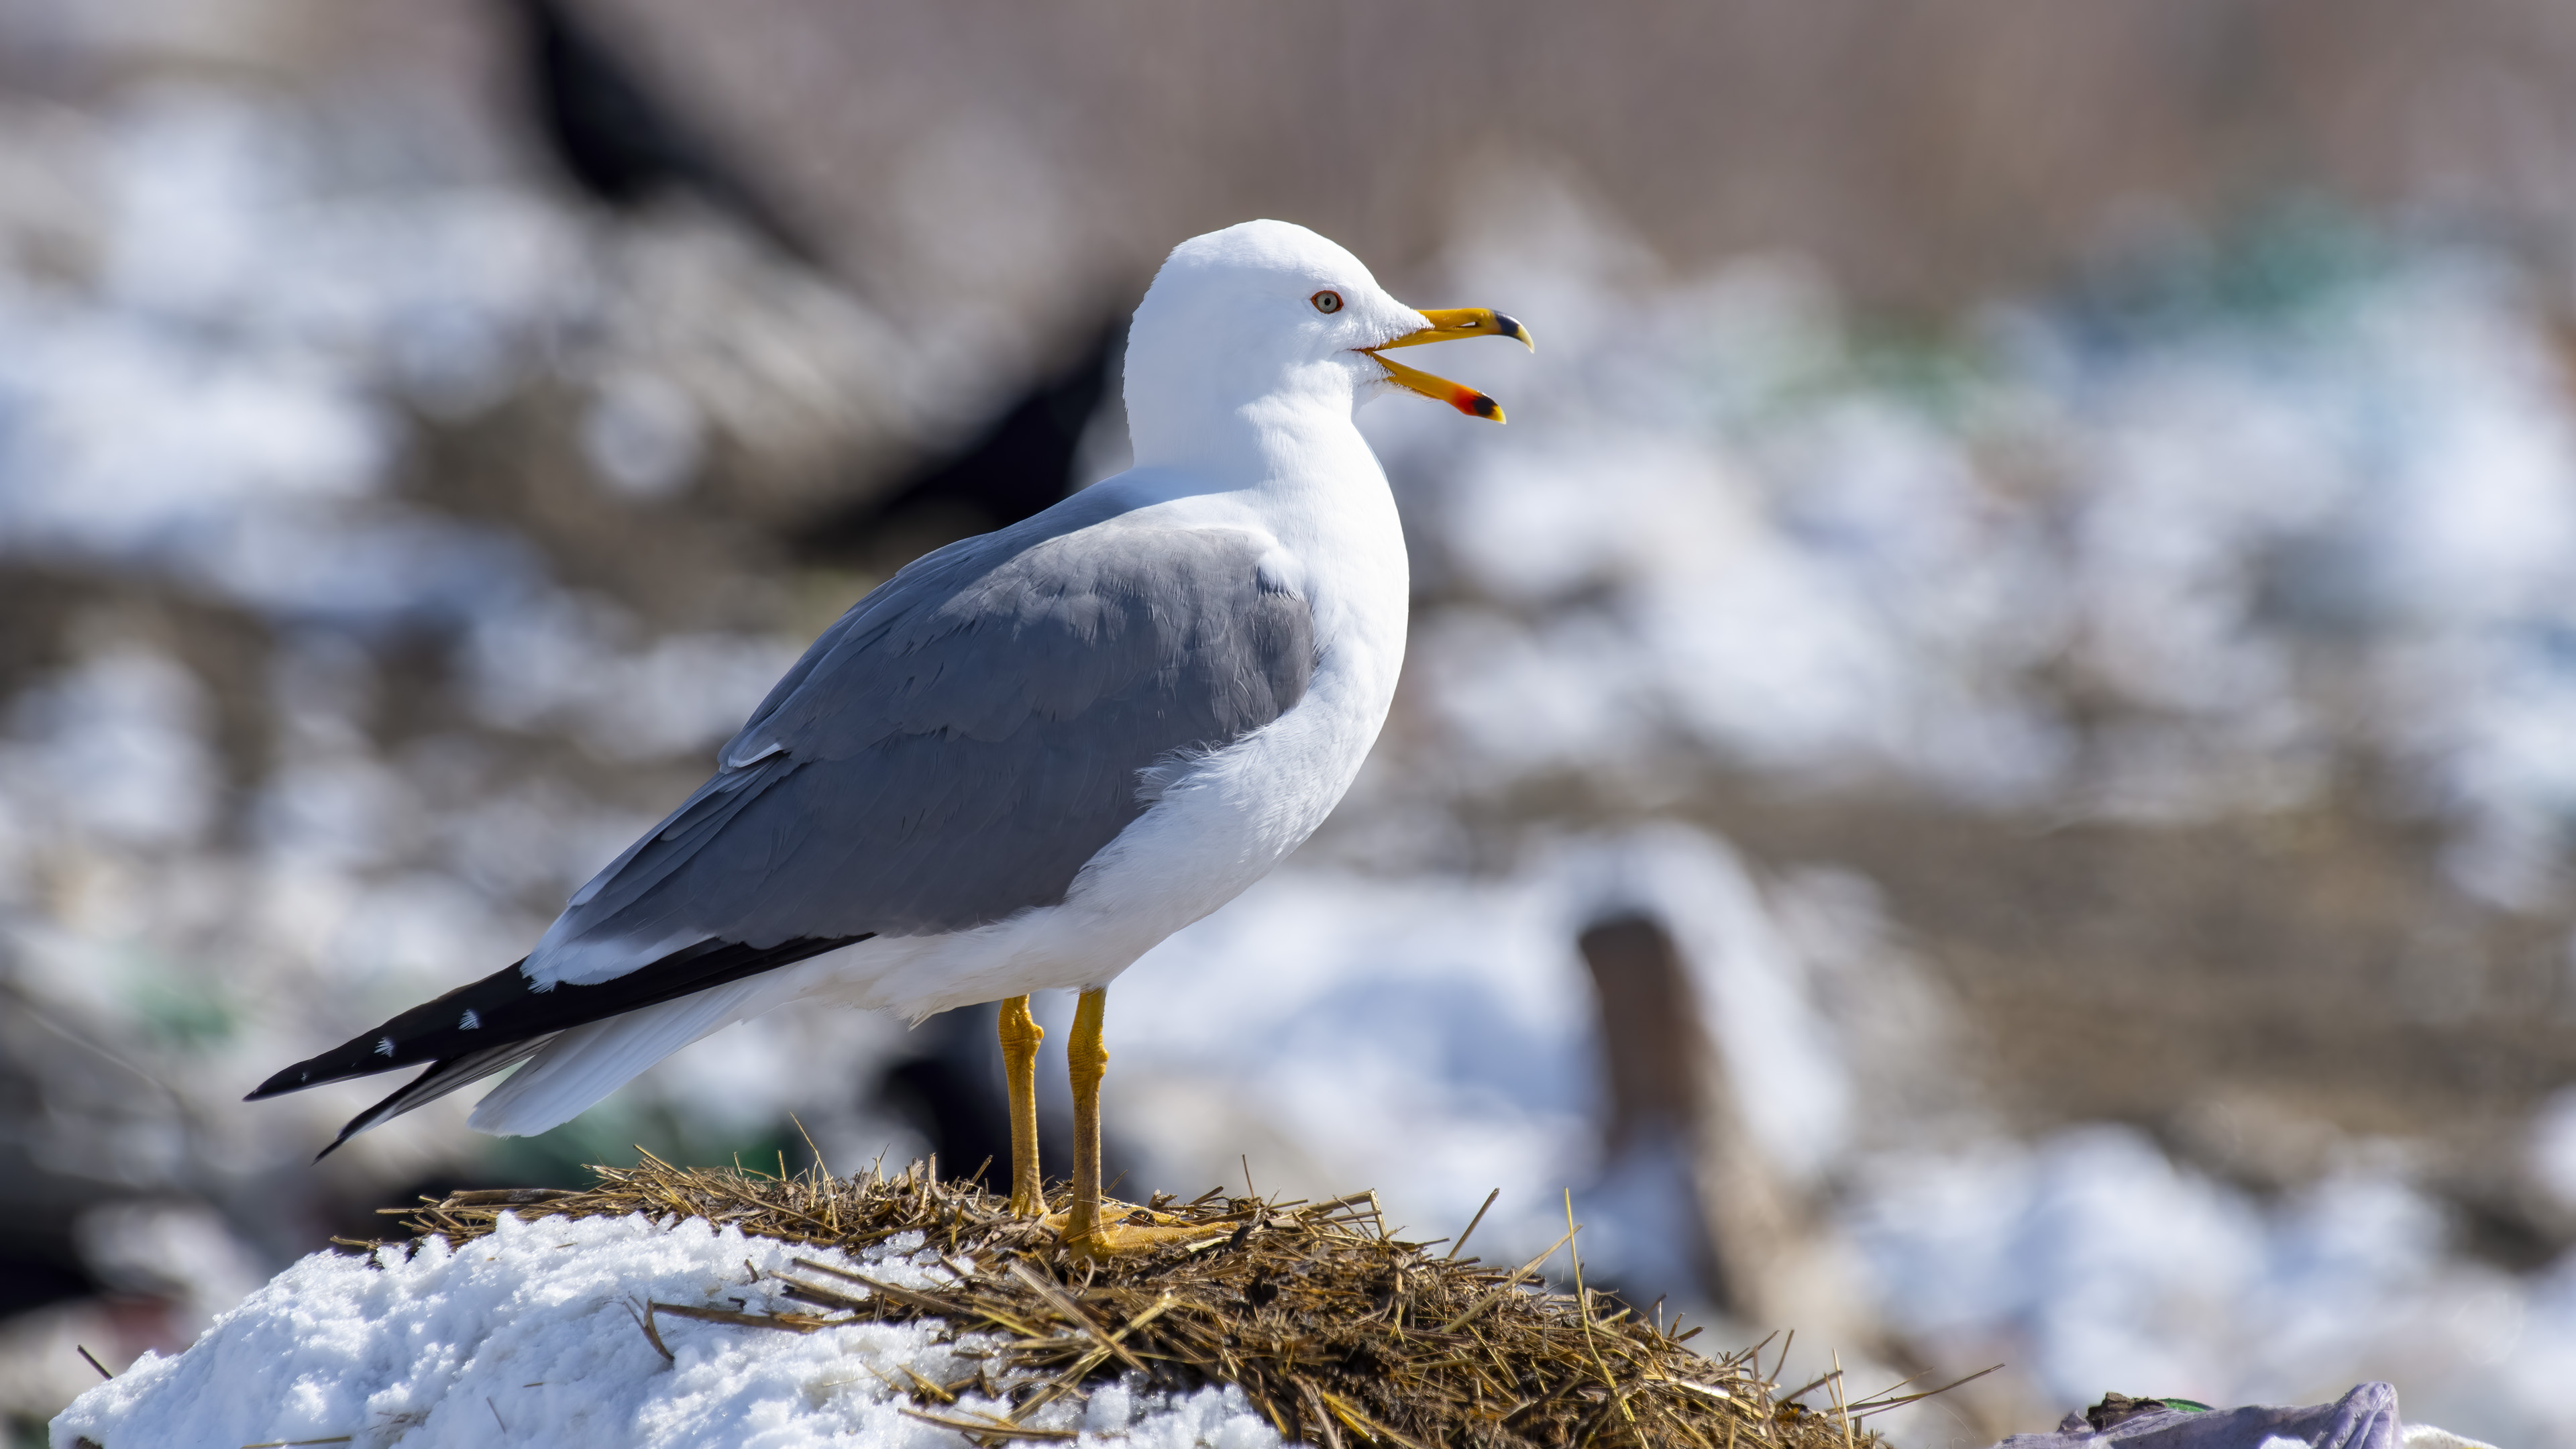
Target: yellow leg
1084,1231
1088,1059
1021,1034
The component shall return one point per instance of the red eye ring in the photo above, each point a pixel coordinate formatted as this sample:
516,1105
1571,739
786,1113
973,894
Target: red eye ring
1327,301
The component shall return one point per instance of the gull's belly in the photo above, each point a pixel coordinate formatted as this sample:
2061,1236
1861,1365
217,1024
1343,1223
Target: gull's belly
1230,818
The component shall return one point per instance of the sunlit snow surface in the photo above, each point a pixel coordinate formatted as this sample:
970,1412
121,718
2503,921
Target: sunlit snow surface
534,1335
1725,526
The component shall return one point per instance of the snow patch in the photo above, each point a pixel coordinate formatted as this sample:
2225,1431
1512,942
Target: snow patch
531,1334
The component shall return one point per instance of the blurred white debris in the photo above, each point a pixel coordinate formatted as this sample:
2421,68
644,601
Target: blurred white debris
178,1252
2088,1259
221,324
567,663
113,752
2244,544
2553,1145
1434,1037
642,435
224,398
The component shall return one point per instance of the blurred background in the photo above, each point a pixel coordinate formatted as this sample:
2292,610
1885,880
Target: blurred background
1986,770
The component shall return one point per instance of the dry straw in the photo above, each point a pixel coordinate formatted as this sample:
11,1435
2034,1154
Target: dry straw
1337,1331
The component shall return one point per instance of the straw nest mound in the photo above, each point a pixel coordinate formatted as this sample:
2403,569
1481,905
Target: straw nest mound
1338,1332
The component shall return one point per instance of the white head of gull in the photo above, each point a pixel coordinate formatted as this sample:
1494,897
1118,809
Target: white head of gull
1028,757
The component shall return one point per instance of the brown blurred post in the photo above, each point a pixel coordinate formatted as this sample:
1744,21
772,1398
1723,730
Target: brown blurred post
1667,1083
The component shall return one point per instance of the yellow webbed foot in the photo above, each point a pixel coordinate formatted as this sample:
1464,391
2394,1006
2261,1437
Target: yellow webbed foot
1114,1236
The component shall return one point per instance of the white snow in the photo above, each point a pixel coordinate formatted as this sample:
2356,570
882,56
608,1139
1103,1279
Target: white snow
531,1336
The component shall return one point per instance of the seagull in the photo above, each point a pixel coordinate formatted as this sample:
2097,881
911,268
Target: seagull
1028,757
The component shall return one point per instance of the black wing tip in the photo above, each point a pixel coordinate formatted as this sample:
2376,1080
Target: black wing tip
294,1079
404,1041
396,1043
444,1076
331,1066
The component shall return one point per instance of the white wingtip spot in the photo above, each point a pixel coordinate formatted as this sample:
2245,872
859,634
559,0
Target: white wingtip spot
469,1022
384,1046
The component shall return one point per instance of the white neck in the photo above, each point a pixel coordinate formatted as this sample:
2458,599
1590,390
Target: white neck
1186,411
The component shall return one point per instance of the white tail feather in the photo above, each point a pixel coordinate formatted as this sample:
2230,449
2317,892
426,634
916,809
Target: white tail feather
588,1062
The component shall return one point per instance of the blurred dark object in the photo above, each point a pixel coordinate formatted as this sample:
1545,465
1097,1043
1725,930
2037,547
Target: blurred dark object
2120,1409
1669,1096
2365,1418
626,144
39,1268
952,1093
59,1092
1653,1048
1020,464
1763,1254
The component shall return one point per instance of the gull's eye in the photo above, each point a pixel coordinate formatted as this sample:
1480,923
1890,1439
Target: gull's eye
1327,301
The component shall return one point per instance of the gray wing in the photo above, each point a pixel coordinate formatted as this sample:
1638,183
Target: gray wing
966,737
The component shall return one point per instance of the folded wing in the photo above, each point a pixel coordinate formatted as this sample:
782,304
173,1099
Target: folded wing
949,753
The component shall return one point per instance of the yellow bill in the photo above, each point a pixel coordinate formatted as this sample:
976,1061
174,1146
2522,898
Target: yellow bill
1448,324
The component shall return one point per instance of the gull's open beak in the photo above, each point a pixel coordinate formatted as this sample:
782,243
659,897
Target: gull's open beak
1446,324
